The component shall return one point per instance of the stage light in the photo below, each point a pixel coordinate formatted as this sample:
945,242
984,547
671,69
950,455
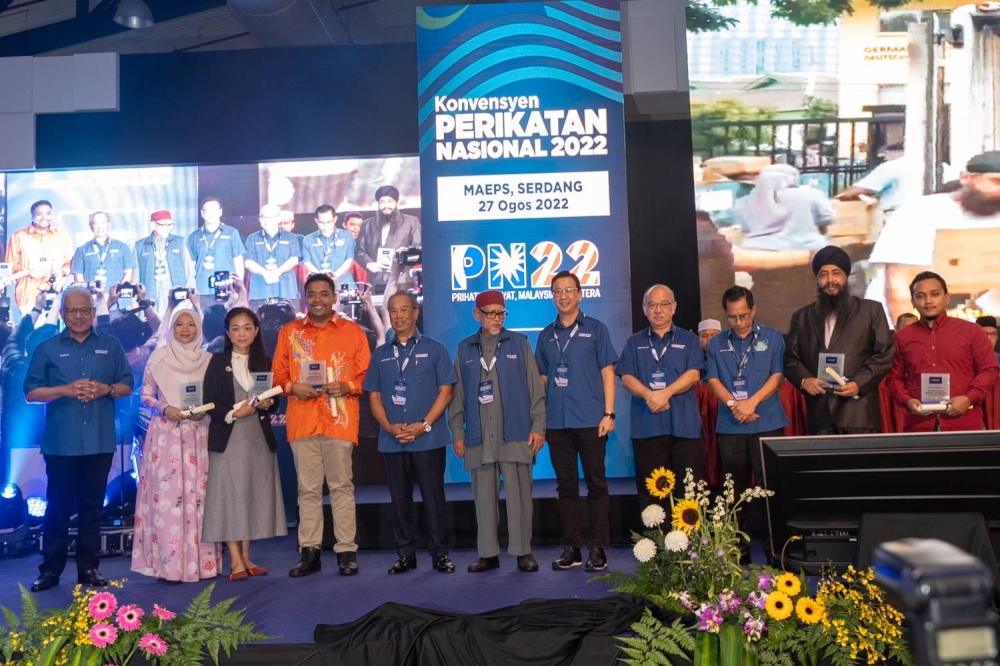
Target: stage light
37,506
10,491
134,14
13,522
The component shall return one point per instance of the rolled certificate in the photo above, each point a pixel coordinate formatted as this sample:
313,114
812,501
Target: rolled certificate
200,409
934,407
333,401
269,393
837,377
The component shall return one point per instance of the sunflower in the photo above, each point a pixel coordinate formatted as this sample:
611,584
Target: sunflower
788,583
660,483
778,606
686,515
809,611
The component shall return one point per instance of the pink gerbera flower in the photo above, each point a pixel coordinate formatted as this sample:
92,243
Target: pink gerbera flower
102,606
103,635
163,613
130,617
153,644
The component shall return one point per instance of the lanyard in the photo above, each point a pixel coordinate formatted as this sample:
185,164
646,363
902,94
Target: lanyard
101,256
482,361
555,339
406,361
270,247
215,237
662,354
746,355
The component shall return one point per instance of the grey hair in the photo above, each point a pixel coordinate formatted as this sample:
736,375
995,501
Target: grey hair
646,294
74,289
412,297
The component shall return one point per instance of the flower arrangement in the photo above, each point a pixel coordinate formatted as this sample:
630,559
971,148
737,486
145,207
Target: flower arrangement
96,629
736,615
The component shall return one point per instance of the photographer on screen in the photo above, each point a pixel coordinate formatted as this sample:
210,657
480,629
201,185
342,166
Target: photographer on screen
380,238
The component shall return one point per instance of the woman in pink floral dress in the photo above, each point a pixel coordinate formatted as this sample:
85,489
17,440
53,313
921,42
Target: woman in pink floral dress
174,472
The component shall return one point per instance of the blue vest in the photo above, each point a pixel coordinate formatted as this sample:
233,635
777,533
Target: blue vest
145,257
513,390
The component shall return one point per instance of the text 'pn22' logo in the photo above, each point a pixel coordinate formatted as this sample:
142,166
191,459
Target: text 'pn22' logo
506,266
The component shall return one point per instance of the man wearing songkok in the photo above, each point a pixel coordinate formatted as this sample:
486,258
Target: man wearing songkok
162,259
497,420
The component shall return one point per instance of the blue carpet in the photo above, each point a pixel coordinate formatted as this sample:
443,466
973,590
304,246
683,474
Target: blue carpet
288,609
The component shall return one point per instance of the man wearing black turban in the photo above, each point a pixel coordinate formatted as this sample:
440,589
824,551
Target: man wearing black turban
380,237
838,324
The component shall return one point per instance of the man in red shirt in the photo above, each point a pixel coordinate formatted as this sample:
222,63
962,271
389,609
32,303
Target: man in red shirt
937,349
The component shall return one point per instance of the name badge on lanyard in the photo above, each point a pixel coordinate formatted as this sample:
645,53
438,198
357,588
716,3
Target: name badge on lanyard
562,375
486,392
562,367
399,393
740,391
658,380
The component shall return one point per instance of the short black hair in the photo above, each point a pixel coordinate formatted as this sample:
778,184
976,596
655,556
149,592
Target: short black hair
258,360
735,293
40,202
350,216
325,208
210,199
320,277
566,274
928,275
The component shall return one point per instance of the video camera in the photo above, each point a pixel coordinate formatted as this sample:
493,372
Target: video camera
51,293
409,256
418,284
946,595
4,309
126,290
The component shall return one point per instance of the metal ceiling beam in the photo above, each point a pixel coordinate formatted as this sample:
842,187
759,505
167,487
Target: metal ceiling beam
90,25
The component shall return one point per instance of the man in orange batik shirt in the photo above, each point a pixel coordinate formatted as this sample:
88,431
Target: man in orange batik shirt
36,254
320,363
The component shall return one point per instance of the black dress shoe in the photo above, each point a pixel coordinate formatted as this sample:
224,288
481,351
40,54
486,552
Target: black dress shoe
570,558
46,580
91,577
596,560
402,565
527,563
348,563
485,564
309,563
444,564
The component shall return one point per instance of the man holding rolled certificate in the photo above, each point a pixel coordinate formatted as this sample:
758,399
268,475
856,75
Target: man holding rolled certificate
838,350
168,544
944,366
320,363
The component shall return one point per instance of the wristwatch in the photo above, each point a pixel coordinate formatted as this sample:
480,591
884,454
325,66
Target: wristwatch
111,391
610,415
730,403
427,426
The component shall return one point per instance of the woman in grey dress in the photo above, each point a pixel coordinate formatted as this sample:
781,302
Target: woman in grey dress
243,500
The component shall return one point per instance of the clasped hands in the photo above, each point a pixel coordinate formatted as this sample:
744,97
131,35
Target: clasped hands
815,386
745,411
85,390
332,389
956,406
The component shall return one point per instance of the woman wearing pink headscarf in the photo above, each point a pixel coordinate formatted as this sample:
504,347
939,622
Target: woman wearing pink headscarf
174,472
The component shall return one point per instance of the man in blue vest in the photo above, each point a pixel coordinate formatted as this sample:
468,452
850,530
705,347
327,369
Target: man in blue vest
659,366
577,363
163,260
497,420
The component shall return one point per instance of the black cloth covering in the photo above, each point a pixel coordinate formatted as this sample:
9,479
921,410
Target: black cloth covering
535,632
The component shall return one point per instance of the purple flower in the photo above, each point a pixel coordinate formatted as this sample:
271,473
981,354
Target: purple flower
704,541
764,581
693,555
720,553
753,628
758,599
729,602
710,619
685,600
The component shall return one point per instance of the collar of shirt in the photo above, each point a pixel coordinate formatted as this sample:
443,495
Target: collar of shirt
415,338
942,320
580,319
501,336
64,335
32,229
672,331
334,320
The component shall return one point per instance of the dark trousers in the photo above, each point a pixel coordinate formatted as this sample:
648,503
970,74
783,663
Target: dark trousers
427,469
847,430
740,455
564,447
676,454
80,479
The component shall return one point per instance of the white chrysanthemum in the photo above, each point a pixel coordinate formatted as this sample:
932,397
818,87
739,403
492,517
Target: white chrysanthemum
676,541
644,550
653,515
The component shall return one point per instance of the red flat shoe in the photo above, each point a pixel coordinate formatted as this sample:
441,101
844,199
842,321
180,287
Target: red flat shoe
258,571
238,576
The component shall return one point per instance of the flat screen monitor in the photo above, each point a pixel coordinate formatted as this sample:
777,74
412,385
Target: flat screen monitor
823,485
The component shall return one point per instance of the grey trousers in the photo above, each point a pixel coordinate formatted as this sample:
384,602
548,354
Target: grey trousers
486,490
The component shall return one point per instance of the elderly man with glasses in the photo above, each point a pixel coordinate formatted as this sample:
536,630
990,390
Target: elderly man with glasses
497,420
77,374
577,363
659,366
